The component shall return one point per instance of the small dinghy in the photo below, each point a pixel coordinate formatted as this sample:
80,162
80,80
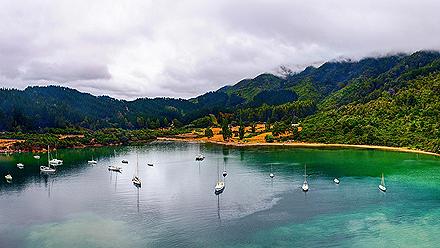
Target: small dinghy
8,177
336,180
125,161
149,164
20,166
37,157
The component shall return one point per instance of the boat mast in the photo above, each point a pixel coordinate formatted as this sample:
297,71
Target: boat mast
305,172
383,180
48,156
137,164
218,178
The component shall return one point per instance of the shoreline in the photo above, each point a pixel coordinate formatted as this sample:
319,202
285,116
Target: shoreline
302,145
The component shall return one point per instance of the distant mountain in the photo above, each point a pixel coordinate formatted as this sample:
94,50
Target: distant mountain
327,92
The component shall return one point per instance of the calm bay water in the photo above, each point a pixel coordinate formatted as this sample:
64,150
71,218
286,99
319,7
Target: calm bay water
84,205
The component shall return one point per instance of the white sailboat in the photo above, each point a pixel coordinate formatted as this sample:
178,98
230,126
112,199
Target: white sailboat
8,177
224,170
200,157
92,161
55,161
136,180
20,166
220,185
305,185
271,174
47,169
382,184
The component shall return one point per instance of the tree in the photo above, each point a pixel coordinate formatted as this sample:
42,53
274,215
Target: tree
267,125
165,122
253,126
269,138
177,123
208,132
241,130
226,131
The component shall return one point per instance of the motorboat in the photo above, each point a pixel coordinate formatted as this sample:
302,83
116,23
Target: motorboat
56,162
47,169
115,168
20,166
336,180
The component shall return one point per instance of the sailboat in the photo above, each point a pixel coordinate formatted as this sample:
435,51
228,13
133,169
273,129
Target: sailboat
92,161
220,185
8,177
271,174
224,170
136,180
200,157
305,186
47,169
55,161
382,184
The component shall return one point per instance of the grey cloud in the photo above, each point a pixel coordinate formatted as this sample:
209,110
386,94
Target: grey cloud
141,48
65,72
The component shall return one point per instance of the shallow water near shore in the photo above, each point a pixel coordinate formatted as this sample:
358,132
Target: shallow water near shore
84,205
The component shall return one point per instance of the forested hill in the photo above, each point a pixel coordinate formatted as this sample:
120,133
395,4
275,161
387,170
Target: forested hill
346,98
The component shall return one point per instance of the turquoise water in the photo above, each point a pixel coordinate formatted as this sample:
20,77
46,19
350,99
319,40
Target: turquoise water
85,205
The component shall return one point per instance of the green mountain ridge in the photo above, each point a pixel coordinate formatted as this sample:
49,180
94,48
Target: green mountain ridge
353,97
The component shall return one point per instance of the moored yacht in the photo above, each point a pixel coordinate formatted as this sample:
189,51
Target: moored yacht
382,185
305,185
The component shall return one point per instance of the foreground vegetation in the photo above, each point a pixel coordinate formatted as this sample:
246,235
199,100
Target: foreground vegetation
70,138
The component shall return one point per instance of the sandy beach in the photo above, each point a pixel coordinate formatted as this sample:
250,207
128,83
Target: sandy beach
296,144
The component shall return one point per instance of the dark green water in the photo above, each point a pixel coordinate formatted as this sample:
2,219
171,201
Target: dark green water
87,206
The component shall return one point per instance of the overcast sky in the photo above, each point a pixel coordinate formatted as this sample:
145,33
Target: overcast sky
129,49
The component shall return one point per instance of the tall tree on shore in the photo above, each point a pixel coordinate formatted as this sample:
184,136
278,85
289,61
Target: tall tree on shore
241,130
208,132
226,131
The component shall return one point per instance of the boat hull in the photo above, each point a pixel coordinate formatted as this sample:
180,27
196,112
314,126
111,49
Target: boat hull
382,188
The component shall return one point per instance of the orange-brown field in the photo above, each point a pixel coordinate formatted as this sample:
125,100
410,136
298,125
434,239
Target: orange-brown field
259,140
6,144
